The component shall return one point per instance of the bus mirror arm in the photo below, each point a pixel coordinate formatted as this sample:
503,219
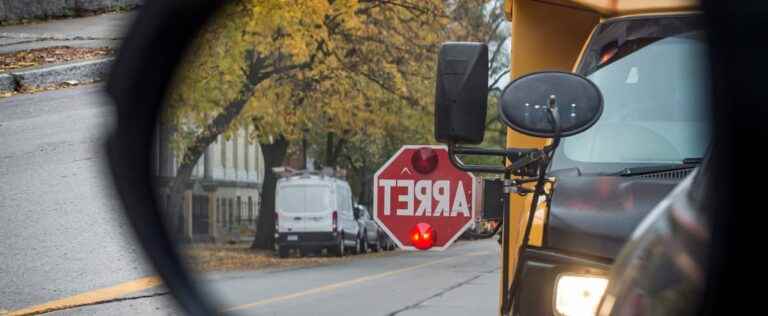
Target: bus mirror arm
519,157
529,156
454,150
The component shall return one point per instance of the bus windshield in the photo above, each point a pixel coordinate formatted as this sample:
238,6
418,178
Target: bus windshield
652,74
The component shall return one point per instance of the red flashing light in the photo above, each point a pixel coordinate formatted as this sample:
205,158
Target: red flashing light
423,236
424,160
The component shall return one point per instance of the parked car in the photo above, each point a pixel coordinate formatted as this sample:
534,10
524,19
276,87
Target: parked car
386,243
314,212
369,229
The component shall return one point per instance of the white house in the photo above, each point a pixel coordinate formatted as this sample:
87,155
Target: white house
222,198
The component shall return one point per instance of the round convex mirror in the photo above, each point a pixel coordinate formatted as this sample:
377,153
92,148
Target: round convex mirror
524,103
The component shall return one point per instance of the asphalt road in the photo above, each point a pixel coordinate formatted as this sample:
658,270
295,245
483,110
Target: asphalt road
62,230
462,280
63,234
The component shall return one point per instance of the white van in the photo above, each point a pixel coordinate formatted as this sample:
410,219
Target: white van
315,212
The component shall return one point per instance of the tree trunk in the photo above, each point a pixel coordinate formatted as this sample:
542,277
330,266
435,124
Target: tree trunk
328,149
366,185
176,199
274,155
333,150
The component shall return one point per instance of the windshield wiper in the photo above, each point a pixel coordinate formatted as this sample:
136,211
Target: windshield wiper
688,163
693,161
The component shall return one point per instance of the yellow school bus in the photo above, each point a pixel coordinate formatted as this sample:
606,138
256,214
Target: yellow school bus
562,35
638,127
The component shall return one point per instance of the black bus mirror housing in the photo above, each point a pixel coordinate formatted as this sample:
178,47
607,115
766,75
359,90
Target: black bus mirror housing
461,93
525,103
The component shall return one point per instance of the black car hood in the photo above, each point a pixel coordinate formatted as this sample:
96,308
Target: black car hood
594,215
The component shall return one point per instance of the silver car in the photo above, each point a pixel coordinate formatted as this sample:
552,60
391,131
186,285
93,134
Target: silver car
370,233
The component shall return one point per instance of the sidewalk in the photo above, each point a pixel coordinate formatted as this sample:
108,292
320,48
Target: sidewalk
104,30
101,31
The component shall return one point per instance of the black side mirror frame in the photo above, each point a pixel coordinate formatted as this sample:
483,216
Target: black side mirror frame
461,93
137,85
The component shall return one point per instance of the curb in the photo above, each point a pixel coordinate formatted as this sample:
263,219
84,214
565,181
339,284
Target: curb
83,71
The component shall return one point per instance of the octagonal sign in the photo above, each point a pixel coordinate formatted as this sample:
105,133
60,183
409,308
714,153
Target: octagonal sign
420,185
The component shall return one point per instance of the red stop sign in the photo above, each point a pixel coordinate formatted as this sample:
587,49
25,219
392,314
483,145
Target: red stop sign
409,189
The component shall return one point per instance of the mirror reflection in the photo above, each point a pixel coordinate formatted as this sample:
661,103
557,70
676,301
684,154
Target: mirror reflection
279,116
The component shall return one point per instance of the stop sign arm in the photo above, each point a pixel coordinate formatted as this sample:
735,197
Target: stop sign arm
509,153
453,150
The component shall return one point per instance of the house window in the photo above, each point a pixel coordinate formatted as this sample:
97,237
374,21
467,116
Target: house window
231,209
239,210
220,210
250,209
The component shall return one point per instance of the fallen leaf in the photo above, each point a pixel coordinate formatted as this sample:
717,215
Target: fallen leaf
50,55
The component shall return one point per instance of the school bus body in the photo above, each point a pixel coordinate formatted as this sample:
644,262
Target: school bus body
553,35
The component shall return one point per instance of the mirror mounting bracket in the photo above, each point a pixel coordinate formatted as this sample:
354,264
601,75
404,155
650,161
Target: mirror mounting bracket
454,150
530,155
511,154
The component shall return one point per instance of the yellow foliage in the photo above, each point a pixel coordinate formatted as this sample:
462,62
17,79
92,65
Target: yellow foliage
371,77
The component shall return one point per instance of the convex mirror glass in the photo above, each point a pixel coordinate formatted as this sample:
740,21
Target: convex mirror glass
525,103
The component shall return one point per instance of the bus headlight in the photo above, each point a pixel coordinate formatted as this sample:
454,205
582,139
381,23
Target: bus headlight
578,295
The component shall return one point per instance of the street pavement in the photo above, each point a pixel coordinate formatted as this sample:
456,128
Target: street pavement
64,233
62,230
106,30
461,280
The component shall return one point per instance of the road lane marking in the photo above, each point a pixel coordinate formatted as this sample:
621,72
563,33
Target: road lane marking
91,297
335,286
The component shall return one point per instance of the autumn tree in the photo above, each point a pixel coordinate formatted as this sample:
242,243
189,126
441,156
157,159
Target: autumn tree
333,67
467,20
